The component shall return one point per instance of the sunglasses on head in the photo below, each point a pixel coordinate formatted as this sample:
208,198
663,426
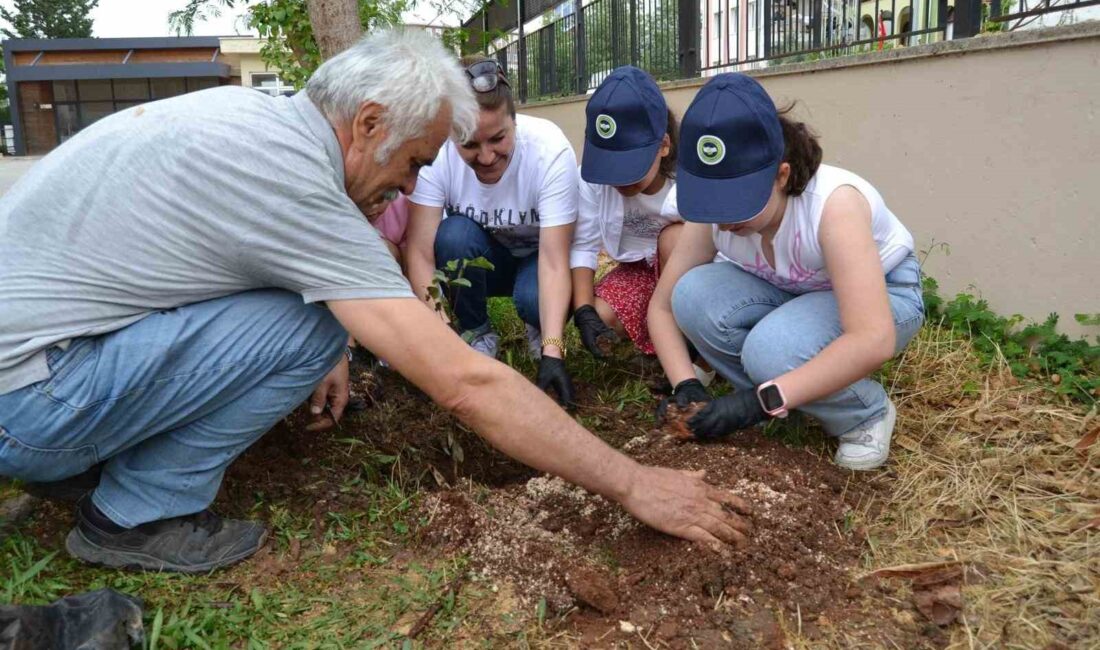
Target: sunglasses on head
485,76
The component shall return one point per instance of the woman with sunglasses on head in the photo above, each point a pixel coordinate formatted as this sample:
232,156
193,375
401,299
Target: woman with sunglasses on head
821,286
508,194
628,171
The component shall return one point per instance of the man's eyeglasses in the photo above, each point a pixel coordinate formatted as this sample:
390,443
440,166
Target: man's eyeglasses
485,76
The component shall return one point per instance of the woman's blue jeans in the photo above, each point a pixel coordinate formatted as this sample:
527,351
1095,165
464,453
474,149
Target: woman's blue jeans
752,332
459,238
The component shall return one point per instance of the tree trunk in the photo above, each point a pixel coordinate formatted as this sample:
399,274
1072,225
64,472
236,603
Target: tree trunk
335,25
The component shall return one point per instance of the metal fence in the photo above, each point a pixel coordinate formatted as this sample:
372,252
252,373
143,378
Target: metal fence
741,32
575,52
579,44
1007,11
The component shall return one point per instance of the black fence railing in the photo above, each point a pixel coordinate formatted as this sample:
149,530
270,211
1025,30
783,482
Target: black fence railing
1003,11
770,32
582,42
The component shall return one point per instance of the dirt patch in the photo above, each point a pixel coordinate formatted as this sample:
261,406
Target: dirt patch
575,550
406,433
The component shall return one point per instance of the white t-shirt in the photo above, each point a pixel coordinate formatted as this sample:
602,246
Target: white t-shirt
625,227
537,190
799,261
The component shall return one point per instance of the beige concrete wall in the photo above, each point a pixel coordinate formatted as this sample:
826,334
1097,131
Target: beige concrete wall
990,147
242,53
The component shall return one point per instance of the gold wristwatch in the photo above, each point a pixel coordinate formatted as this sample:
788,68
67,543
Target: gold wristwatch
553,340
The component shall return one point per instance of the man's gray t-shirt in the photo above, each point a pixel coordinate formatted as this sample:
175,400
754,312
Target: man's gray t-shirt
175,202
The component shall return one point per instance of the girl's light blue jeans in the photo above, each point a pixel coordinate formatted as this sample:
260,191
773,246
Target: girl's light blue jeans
169,401
752,332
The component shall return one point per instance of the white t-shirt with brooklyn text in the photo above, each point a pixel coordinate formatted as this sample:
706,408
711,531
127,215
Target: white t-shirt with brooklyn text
538,190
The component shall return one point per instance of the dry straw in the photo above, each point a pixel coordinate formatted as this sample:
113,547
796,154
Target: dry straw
999,479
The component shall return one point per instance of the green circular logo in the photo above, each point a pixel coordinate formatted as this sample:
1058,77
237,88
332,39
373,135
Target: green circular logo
711,149
605,126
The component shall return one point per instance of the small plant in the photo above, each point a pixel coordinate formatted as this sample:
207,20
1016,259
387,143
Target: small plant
1035,350
447,281
442,294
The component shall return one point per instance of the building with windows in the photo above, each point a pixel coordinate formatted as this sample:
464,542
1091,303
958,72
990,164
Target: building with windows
59,86
246,68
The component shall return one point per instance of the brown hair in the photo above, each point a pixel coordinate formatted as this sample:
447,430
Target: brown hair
495,98
667,168
801,151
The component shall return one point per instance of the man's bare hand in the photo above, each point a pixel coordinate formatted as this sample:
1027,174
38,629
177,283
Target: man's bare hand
682,504
333,390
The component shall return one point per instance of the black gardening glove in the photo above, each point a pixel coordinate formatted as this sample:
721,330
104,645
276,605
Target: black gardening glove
552,375
594,331
738,410
686,393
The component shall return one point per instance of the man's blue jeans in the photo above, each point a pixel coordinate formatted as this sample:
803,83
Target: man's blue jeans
459,238
752,332
170,401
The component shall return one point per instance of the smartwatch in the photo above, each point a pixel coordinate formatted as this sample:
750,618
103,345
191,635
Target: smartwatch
772,399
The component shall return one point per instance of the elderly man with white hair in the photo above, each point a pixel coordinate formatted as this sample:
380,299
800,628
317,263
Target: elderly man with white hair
177,277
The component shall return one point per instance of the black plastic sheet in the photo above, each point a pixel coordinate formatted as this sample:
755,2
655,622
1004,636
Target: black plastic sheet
98,620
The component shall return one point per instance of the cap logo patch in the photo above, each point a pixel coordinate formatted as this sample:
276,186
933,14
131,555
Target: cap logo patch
605,126
711,149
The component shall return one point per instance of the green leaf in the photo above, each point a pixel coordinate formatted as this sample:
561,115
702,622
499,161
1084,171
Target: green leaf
540,611
480,263
461,282
158,623
451,265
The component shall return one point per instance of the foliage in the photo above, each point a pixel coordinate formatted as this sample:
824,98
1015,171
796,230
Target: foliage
48,18
1031,350
289,45
610,42
5,102
447,282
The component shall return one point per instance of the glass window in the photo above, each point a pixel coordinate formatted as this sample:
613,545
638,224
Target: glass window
270,83
92,111
67,122
64,91
94,89
167,87
131,89
201,83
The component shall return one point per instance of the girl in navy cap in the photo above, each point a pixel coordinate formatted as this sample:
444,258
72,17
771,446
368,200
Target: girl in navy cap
628,171
815,288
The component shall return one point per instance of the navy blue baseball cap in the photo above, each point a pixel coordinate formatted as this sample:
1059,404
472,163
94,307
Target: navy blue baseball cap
731,145
627,119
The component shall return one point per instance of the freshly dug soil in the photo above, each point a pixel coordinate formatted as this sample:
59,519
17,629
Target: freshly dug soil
576,550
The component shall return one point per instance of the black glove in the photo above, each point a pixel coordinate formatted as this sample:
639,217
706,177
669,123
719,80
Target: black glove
738,410
593,330
552,375
686,393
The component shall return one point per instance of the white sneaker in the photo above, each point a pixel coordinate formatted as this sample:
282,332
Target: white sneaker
534,341
867,446
487,343
705,378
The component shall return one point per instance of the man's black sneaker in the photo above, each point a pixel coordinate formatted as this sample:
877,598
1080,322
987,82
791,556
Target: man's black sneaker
69,490
196,543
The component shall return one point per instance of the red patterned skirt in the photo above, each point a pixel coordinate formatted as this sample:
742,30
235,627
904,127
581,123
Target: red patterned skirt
627,289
